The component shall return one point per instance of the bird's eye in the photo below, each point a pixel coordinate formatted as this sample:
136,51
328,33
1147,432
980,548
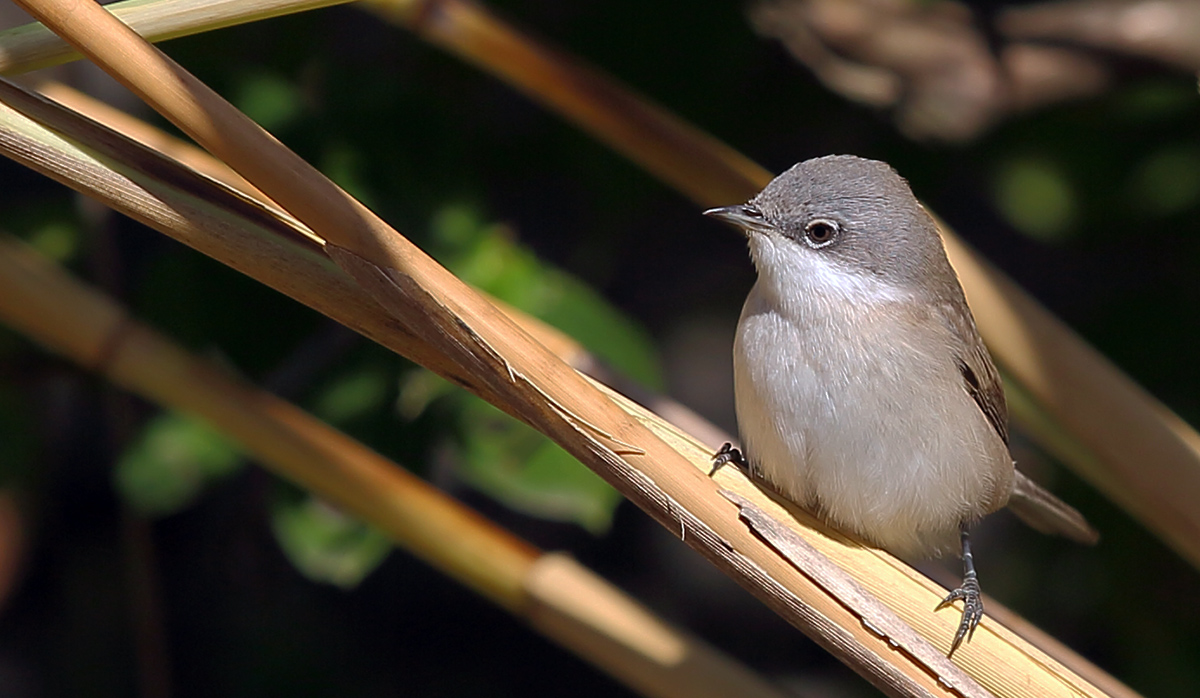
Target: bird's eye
820,232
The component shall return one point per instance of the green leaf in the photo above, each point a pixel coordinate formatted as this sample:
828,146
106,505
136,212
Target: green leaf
48,225
488,256
173,460
57,240
1036,198
272,101
500,456
348,169
1168,181
323,543
419,389
353,394
519,467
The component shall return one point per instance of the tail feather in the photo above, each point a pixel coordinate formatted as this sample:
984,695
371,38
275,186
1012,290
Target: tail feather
1044,512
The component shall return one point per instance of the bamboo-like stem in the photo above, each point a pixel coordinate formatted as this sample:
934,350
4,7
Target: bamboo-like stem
33,46
196,159
1150,465
1129,445
626,640
154,138
563,346
499,358
204,215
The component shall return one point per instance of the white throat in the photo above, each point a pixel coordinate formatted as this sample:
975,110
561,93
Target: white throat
850,402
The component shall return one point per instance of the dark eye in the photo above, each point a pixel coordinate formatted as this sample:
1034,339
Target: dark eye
820,232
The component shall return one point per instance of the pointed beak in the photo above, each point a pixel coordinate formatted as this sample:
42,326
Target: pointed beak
744,217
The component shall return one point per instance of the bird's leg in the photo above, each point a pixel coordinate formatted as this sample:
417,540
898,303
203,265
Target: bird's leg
968,592
728,454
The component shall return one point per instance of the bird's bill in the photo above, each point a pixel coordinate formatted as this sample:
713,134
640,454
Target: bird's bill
744,217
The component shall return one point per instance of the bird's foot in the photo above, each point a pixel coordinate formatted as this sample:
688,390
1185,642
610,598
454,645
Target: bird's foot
728,454
972,600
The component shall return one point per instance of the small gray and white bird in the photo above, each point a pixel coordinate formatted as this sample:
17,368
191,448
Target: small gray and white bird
864,392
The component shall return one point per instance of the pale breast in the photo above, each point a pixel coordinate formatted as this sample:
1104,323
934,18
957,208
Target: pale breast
865,425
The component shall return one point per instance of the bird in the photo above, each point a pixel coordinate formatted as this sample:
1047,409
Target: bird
863,390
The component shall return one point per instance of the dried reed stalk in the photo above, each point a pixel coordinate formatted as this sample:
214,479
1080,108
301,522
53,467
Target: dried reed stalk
1113,433
569,351
1149,465
250,238
33,46
501,361
556,595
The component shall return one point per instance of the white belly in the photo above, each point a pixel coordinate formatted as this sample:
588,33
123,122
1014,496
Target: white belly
862,428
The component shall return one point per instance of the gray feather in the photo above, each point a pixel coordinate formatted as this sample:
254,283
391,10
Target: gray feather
1034,505
1044,512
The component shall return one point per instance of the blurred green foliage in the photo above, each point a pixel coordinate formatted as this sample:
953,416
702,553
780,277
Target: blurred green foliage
47,225
1036,198
498,455
322,542
524,206
1167,181
526,471
488,256
176,458
270,99
353,393
171,462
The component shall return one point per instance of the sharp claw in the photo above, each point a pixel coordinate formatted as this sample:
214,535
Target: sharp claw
951,598
972,600
969,594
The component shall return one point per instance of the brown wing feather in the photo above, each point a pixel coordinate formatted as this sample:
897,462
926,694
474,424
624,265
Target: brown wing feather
987,393
980,377
1030,502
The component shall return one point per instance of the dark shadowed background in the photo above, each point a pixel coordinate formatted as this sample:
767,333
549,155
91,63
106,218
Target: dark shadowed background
1092,205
